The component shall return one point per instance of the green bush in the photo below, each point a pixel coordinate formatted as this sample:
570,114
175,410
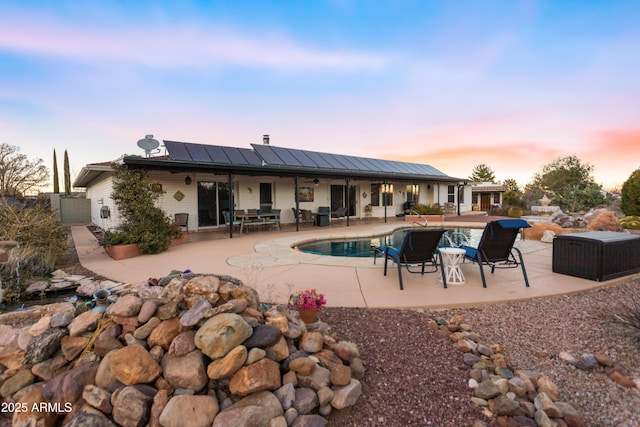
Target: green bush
630,222
630,203
428,209
41,238
144,223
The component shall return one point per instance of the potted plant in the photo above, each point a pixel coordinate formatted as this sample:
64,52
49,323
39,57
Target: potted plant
307,302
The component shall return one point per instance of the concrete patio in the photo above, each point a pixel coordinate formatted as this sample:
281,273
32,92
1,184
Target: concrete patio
268,262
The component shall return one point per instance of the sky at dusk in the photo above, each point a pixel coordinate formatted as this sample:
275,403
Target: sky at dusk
454,84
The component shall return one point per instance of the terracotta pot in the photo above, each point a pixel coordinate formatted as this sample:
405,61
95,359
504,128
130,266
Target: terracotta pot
308,315
119,252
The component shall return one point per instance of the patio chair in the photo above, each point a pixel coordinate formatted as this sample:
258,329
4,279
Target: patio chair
496,247
339,213
235,223
419,248
182,221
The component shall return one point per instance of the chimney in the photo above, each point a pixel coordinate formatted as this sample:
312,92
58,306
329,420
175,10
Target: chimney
265,139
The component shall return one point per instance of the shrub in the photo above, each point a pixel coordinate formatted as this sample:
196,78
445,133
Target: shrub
41,238
428,209
626,316
630,222
630,203
144,223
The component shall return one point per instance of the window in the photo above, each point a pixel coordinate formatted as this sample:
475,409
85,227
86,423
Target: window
461,193
474,198
496,198
384,190
451,194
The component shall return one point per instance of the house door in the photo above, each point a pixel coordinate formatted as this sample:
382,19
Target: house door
266,200
341,195
213,201
485,201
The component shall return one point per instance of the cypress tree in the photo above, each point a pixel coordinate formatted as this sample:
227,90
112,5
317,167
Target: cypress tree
56,183
67,175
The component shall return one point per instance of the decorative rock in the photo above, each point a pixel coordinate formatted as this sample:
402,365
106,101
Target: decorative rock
130,407
306,400
134,365
546,386
341,375
502,405
164,333
160,401
183,343
43,346
254,355
325,396
347,395
126,306
167,311
21,379
621,379
40,326
60,319
279,351
145,330
279,321
357,368
32,395
147,310
262,375
263,336
195,411
222,333
486,390
73,346
587,362
185,371
257,409
87,321
102,346
286,395
328,358
98,398
36,287
229,364
320,377
544,403
311,342
196,313
302,365
68,386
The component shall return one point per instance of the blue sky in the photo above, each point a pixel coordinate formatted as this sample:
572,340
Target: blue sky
510,84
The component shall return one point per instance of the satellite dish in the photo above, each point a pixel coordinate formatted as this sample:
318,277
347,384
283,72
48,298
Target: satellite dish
148,144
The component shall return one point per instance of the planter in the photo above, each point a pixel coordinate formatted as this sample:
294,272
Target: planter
308,315
514,212
180,240
119,252
422,218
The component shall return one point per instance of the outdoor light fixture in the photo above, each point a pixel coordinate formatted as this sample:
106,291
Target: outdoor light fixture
187,180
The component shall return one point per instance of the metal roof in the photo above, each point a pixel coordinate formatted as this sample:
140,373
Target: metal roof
265,159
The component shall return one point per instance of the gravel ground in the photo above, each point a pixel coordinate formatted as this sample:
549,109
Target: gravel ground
413,378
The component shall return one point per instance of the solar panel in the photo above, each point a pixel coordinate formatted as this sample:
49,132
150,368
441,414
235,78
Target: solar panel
251,156
177,151
269,156
217,154
286,156
302,157
198,153
317,159
235,155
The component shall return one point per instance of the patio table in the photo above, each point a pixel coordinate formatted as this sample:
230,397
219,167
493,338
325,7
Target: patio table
451,260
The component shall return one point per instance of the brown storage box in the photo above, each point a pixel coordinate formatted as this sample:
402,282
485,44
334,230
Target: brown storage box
596,255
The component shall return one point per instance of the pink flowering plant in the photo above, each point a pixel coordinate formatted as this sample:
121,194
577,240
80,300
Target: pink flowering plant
309,298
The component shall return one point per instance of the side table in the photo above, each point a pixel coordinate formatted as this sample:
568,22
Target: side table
451,260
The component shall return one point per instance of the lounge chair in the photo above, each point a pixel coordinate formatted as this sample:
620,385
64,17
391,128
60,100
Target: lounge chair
419,248
496,247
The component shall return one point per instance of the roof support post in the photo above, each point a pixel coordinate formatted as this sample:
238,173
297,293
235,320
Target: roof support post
296,195
232,211
348,198
384,199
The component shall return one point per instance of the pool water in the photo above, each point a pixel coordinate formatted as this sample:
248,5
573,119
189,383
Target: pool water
364,247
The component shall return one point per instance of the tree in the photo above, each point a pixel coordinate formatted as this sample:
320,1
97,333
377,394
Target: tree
56,181
568,181
67,175
510,185
18,174
483,173
630,203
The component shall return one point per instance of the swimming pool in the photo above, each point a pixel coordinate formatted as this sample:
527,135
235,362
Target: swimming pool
363,247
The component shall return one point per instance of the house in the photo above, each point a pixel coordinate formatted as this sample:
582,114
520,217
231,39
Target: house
206,181
486,195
